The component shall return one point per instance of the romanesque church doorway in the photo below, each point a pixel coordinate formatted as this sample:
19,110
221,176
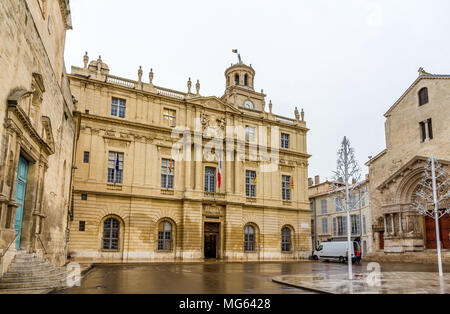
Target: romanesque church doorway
211,241
444,228
22,176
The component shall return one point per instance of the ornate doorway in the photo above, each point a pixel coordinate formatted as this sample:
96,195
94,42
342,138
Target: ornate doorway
211,241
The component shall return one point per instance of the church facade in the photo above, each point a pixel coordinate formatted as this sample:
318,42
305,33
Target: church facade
164,175
416,128
37,130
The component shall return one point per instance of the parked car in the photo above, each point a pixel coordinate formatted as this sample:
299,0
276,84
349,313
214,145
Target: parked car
335,251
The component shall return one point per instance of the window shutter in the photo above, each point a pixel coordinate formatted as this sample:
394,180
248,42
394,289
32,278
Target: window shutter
344,221
334,227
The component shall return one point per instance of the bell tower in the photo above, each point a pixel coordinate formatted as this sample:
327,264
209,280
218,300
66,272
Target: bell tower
240,88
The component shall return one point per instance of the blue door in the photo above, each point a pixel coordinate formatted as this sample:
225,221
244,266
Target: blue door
22,173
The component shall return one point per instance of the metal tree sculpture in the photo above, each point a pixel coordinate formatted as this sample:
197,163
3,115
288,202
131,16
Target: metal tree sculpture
434,188
348,171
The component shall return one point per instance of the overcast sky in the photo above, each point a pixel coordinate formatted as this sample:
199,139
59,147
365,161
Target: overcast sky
345,62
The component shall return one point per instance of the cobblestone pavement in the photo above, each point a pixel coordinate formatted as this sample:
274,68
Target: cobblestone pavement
216,277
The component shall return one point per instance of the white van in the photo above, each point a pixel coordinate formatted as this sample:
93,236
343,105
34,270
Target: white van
336,251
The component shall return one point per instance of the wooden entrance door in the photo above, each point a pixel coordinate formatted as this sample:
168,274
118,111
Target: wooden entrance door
211,240
444,228
22,174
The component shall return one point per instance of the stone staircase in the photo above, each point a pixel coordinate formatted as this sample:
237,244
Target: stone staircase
29,274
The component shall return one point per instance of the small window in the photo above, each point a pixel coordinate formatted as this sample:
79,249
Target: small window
286,242
249,241
86,111
250,183
246,80
324,206
338,201
50,26
84,197
165,236
286,188
82,226
118,107
424,127
167,173
325,225
430,129
111,229
423,96
170,118
236,79
210,180
285,140
86,157
250,134
115,168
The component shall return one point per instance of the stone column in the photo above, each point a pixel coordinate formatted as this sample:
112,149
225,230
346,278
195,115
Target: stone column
393,224
385,223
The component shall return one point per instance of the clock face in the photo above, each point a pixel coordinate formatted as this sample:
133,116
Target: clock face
249,105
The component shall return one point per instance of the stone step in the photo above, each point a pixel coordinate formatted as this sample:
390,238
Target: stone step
29,265
26,291
47,284
32,272
34,278
24,268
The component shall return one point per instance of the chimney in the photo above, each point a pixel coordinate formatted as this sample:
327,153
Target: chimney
367,177
340,180
353,181
317,180
310,182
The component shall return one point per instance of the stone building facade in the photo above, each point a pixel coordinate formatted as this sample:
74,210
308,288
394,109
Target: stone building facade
417,125
330,219
37,130
135,200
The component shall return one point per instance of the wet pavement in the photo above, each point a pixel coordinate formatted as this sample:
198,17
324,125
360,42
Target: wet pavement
215,278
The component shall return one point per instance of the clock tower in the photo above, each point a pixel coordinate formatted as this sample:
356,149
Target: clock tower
240,91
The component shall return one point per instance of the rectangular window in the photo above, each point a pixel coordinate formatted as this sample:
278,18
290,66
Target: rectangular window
352,202
250,134
341,226
170,118
86,157
338,204
115,168
82,226
355,224
250,183
167,173
430,129
84,197
118,107
323,204
210,180
285,140
286,188
363,198
325,225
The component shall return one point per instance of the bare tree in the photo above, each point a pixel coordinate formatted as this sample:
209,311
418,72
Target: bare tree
434,188
348,174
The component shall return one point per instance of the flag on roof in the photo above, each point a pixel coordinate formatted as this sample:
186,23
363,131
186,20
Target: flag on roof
235,51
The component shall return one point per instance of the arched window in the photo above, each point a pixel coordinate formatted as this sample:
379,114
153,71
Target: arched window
111,229
249,240
236,79
286,242
423,96
164,236
246,80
